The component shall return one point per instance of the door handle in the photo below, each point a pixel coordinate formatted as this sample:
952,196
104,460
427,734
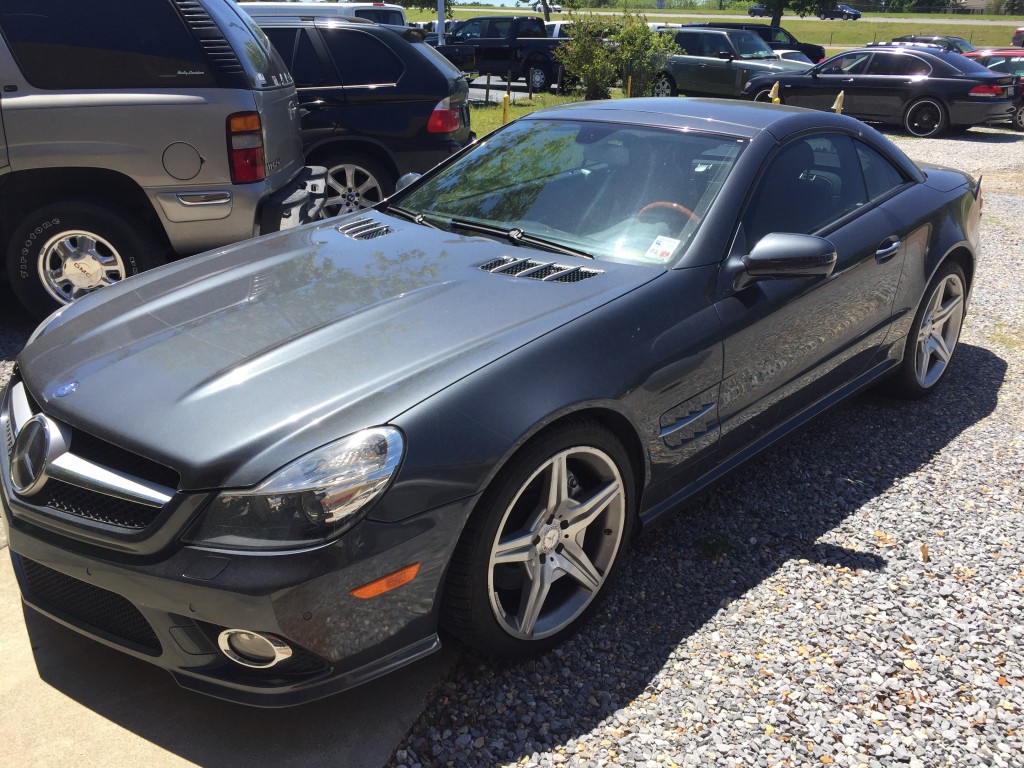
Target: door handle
887,250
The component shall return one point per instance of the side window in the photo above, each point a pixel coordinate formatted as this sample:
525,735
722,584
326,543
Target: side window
471,30
691,43
361,59
809,184
308,69
532,27
716,44
880,176
64,44
847,64
499,28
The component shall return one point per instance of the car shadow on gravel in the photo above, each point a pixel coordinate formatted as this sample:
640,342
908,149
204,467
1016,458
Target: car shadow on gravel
681,573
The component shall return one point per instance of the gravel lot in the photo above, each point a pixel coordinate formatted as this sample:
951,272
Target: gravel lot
853,597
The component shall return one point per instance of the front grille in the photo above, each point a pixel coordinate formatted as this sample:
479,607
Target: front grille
538,270
94,505
97,609
98,507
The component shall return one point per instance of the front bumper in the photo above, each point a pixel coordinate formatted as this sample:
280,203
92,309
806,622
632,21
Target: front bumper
170,612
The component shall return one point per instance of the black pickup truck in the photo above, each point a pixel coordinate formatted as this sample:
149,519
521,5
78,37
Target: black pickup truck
507,46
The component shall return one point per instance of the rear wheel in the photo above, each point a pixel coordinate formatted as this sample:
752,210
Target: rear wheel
540,77
544,544
63,251
354,182
925,118
934,335
664,85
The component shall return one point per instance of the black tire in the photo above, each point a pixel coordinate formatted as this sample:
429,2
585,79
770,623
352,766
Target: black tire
99,244
354,182
664,85
926,118
540,76
490,605
1017,117
934,334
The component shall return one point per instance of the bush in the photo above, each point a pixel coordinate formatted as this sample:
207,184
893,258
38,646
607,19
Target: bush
587,57
641,53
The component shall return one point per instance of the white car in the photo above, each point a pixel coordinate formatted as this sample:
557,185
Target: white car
789,55
553,7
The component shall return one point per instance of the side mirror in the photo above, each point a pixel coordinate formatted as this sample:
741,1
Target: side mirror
405,180
783,255
727,55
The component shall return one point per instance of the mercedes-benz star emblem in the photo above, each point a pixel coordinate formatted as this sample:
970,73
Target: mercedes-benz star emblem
66,390
32,455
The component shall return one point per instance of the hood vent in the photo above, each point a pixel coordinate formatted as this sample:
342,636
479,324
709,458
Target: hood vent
364,229
548,271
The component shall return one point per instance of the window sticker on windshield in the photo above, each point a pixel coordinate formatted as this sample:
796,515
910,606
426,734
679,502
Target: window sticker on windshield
662,248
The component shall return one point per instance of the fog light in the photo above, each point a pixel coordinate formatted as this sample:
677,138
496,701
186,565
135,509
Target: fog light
251,649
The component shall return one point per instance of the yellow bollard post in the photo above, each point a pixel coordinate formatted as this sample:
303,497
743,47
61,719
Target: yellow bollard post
629,86
773,94
504,109
837,107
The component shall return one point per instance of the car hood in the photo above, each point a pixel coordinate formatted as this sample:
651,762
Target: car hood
763,66
227,365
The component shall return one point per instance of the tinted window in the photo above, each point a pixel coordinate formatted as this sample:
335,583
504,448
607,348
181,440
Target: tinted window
809,184
471,30
1012,65
691,43
846,64
110,44
532,27
716,44
361,58
897,64
262,65
306,66
880,176
381,16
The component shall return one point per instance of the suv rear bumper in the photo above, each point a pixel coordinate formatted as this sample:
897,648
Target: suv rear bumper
299,202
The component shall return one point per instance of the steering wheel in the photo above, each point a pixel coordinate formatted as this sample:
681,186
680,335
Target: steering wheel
682,210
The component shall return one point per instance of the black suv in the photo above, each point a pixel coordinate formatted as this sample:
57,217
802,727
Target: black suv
777,38
376,103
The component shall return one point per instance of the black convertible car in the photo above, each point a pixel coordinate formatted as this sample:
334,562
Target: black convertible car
927,90
276,470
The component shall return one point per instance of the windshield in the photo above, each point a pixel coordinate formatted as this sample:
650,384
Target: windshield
608,191
750,46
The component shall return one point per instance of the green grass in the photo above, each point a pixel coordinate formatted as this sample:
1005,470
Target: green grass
485,119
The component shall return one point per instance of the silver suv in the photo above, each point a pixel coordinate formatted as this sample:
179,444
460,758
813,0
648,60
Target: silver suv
138,131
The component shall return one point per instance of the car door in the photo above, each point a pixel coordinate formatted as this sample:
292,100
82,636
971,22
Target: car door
322,103
718,67
788,343
819,87
687,67
884,87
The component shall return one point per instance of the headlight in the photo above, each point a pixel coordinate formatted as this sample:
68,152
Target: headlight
310,501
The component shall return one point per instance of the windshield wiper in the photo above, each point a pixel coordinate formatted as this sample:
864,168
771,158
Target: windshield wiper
517,236
415,218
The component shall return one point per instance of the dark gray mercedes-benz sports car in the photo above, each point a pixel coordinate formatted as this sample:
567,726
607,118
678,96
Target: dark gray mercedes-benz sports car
277,469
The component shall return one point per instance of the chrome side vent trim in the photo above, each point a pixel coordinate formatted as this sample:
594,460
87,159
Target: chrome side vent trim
538,270
364,229
216,49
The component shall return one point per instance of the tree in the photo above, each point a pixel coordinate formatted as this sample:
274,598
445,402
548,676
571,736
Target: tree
640,53
587,57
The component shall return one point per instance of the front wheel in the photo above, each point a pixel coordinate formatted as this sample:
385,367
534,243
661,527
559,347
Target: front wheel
65,250
934,335
925,119
544,544
664,85
354,182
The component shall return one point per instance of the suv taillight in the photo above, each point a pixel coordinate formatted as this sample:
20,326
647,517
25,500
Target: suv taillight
245,148
444,118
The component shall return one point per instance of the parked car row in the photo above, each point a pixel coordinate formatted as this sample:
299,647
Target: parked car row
110,164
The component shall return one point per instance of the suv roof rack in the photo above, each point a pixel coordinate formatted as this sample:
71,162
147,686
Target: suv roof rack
903,44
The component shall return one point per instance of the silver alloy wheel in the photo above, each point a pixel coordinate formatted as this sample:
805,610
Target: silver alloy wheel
1017,119
556,543
940,330
350,188
662,87
77,262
